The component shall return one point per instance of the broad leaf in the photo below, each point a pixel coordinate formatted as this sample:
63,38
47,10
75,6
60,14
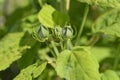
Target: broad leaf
109,23
10,50
50,17
109,75
78,64
31,71
103,3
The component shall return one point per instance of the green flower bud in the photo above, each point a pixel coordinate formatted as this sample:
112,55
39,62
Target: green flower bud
58,31
67,32
43,32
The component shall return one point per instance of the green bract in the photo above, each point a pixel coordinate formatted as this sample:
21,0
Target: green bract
58,31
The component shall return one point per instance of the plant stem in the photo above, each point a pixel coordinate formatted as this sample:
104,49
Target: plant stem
54,55
83,23
55,48
69,44
40,2
67,5
62,5
116,62
61,44
50,61
93,40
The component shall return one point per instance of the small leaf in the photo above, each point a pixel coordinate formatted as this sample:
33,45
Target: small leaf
108,24
39,69
31,71
50,17
45,16
78,64
103,3
109,75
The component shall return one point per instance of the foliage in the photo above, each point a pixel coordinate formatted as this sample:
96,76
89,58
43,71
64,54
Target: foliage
60,40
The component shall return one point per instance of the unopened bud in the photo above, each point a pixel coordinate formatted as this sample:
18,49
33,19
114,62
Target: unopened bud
67,32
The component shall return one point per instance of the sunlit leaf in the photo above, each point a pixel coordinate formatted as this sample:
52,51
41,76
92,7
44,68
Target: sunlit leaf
103,3
78,64
109,75
31,71
109,23
10,50
101,52
50,17
25,74
45,16
39,70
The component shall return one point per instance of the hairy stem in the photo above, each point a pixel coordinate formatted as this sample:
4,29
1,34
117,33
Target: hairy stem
83,23
69,44
55,48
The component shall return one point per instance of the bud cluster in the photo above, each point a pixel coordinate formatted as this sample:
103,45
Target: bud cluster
60,33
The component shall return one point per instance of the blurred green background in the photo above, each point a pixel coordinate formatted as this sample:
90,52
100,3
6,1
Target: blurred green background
17,17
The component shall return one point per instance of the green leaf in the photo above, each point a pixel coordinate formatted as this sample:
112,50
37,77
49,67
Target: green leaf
45,16
109,75
28,58
60,18
101,52
39,70
78,64
50,17
108,24
103,3
10,50
31,71
25,74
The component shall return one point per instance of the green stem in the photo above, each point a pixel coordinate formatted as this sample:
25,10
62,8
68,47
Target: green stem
93,40
69,44
61,44
40,2
50,61
67,5
55,48
116,62
54,55
83,23
62,6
